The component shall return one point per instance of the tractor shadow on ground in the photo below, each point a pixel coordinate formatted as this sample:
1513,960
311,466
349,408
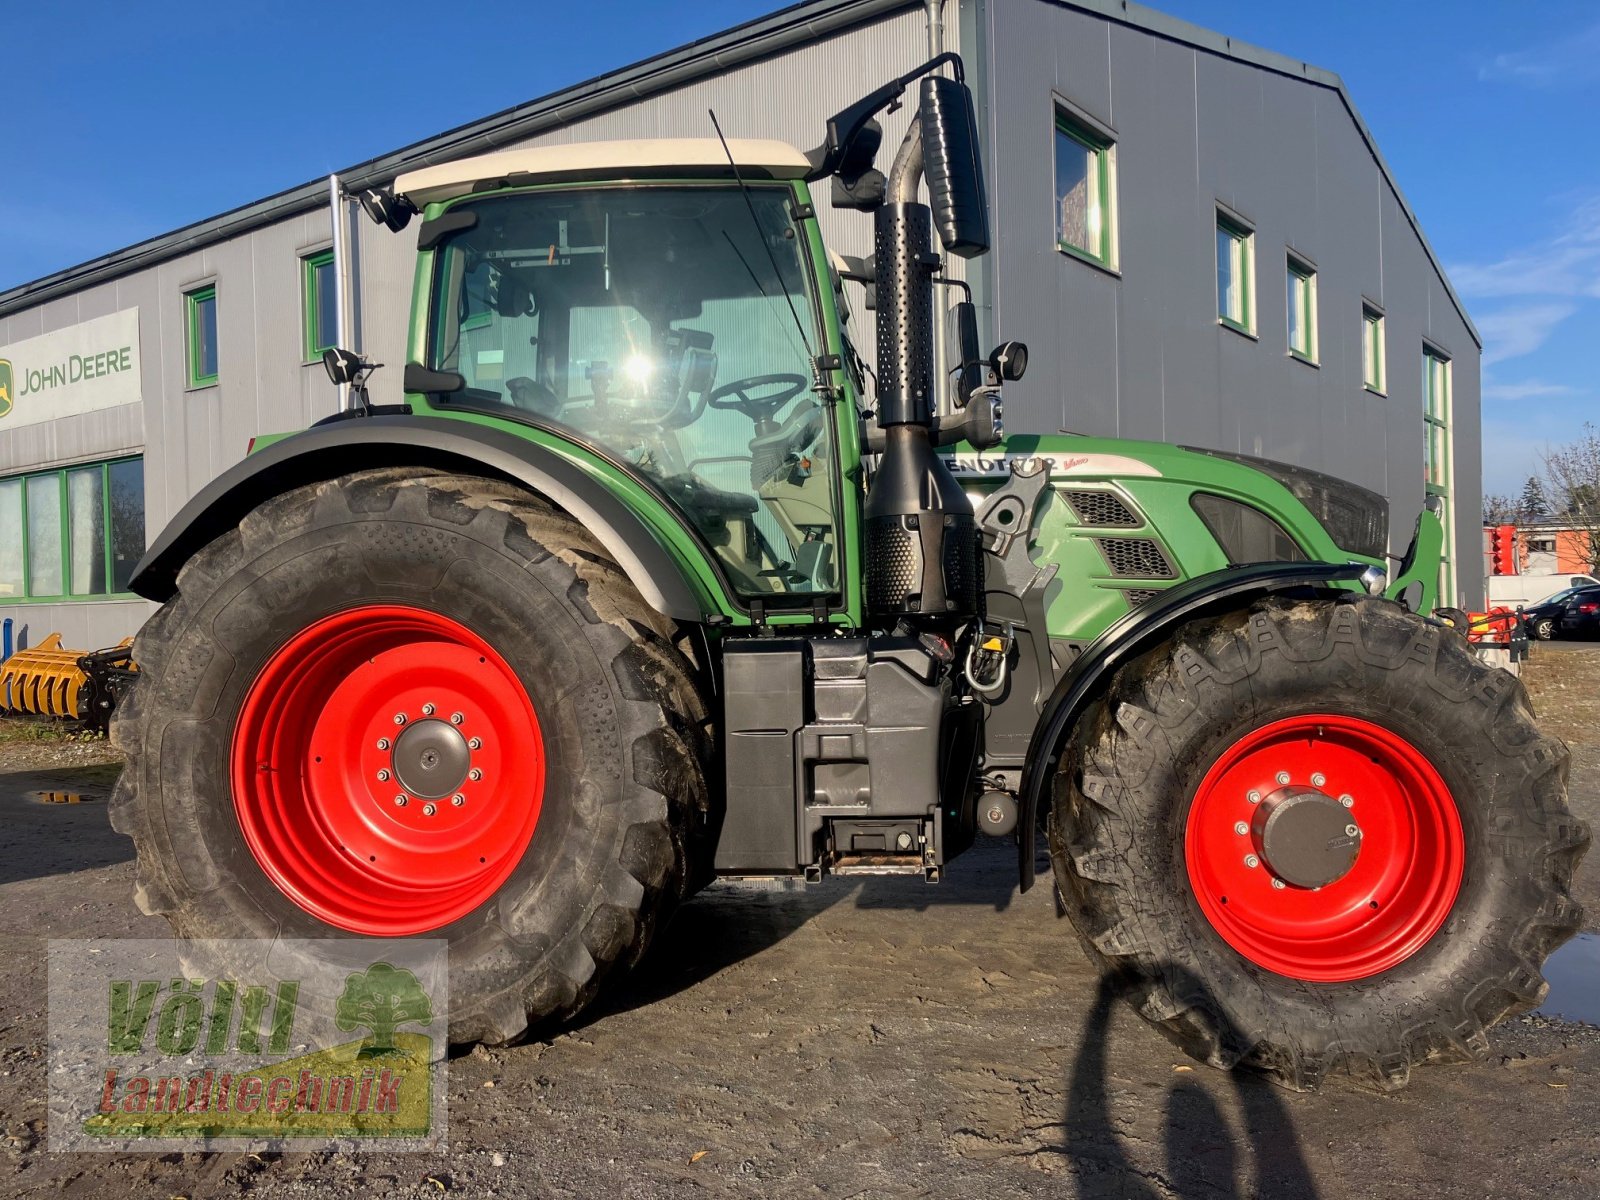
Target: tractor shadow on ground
54,822
732,921
1203,1150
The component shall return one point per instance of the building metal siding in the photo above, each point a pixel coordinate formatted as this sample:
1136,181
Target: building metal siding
1139,353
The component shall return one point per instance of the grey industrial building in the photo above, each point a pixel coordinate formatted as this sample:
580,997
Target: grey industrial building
1199,239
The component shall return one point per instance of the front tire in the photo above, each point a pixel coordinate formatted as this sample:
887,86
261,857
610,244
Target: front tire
1544,629
1201,841
415,705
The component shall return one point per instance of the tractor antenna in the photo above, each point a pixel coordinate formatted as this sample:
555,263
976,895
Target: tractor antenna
755,221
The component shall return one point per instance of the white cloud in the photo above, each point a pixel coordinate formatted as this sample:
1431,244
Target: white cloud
1568,62
1527,389
1514,332
1567,264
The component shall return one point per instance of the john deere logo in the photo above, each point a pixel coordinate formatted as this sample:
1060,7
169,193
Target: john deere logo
5,386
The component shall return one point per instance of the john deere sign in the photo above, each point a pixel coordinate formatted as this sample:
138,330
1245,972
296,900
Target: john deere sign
79,369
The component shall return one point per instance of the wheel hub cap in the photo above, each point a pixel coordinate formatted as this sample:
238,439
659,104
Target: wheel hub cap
1324,847
1306,837
431,759
358,803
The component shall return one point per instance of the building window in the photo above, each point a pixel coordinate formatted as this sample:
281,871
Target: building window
1437,457
74,532
202,308
1235,268
321,300
1085,191
1302,310
1374,365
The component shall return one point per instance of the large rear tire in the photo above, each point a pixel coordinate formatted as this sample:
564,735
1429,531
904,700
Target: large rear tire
1317,835
409,704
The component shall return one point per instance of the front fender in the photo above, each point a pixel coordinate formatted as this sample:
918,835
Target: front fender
1133,634
328,451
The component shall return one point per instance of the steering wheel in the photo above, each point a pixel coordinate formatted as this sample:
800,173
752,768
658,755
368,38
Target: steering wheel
759,408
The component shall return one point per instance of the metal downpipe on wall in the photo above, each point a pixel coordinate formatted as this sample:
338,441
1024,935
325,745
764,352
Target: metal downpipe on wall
934,10
341,278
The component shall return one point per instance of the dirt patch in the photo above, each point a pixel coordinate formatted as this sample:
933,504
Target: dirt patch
43,743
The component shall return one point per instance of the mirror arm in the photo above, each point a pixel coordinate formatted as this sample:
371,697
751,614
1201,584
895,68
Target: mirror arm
847,122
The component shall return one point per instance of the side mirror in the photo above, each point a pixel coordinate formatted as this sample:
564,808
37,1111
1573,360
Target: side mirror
857,183
385,208
342,366
951,166
1008,361
969,364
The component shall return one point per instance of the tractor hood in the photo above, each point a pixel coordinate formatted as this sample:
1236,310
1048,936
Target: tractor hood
1329,517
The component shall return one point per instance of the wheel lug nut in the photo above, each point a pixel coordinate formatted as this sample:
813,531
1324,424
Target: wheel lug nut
1254,797
474,774
1318,779
399,718
474,743
401,800
428,810
1351,831
1250,860
458,799
456,718
383,743
1283,777
1241,828
1347,800
383,777
427,710
1279,885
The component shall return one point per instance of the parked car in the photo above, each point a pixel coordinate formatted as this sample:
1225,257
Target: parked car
1542,618
1580,614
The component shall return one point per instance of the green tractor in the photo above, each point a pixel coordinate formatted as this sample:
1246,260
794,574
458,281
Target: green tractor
633,591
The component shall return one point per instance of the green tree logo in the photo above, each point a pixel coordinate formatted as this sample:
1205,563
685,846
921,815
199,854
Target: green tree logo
381,998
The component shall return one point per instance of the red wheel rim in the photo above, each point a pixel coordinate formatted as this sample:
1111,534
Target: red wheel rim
1394,896
343,745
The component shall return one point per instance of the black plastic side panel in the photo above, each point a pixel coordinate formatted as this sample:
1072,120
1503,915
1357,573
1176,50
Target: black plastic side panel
1130,636
764,690
328,451
833,745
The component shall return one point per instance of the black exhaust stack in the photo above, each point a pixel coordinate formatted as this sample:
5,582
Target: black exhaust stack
922,547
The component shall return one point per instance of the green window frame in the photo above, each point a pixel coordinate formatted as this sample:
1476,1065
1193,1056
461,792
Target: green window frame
72,533
1438,454
1236,256
319,299
200,306
1374,352
1302,303
1085,191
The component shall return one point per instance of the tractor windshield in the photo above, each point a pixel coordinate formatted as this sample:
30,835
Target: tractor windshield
654,324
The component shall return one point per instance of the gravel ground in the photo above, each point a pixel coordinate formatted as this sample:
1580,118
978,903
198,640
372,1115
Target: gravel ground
855,1038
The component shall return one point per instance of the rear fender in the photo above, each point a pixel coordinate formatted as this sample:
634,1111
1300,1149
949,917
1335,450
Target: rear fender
1136,632
328,451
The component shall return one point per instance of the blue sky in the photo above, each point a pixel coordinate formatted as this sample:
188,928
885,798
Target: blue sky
127,120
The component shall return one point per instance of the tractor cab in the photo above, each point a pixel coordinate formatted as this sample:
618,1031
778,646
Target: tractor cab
637,299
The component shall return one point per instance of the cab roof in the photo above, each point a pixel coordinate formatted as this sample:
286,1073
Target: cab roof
757,158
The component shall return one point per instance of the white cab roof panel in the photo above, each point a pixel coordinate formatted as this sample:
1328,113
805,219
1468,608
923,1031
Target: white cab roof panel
756,157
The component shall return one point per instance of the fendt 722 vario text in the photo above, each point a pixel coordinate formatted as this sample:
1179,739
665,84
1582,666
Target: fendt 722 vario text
634,590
